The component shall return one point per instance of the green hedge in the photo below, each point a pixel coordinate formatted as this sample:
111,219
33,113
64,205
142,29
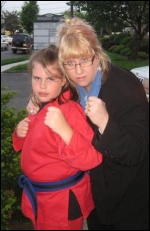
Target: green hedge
10,163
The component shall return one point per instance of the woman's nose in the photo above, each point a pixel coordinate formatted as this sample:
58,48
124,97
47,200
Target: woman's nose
78,68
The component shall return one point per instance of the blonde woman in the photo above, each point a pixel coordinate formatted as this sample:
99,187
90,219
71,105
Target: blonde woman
117,109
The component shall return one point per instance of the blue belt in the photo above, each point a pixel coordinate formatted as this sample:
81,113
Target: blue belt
31,187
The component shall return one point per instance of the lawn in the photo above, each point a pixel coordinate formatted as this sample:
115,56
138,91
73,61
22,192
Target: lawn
123,61
117,59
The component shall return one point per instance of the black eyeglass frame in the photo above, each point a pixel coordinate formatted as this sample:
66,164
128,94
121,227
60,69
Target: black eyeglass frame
80,63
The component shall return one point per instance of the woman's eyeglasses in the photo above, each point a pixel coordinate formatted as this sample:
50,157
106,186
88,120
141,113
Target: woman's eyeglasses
83,63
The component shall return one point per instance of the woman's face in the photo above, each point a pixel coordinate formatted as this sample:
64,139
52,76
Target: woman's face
82,75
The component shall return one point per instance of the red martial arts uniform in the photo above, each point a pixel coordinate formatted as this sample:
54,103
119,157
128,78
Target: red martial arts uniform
46,158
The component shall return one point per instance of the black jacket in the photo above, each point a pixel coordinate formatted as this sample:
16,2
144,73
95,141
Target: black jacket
120,184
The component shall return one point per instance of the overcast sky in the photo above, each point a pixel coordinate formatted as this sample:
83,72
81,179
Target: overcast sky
54,7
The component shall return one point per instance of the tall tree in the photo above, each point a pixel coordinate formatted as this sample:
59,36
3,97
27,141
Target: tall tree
11,21
2,4
2,16
28,15
134,14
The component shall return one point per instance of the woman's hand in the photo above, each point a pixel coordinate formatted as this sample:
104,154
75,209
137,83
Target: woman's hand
97,112
31,108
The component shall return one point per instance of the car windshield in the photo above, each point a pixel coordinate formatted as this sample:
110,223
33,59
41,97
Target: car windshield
21,37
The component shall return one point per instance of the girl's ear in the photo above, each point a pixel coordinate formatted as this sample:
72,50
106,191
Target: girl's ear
63,81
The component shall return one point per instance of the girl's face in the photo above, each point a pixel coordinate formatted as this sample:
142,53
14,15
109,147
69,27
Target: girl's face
45,84
82,75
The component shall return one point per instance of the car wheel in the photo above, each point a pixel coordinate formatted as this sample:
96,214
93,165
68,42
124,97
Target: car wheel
14,51
6,48
29,51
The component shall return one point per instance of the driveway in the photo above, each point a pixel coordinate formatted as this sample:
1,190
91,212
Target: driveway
19,83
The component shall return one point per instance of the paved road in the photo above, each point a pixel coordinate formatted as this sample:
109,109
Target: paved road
7,54
19,83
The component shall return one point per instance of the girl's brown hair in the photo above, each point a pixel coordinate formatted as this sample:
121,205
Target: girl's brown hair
49,56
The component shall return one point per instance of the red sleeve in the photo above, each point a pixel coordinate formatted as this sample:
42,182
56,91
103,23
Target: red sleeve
79,153
17,142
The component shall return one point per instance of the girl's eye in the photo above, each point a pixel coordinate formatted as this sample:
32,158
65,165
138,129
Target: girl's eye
36,78
50,79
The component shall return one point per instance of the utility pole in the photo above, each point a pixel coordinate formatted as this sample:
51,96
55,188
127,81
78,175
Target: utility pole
72,13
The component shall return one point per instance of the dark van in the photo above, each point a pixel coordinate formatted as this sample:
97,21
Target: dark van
22,42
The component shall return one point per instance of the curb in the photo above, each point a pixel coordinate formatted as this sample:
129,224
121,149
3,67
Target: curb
6,67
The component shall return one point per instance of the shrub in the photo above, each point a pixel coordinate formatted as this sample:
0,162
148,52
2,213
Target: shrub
131,42
145,41
143,55
144,48
118,49
117,40
126,51
111,49
102,40
112,37
10,162
107,45
126,40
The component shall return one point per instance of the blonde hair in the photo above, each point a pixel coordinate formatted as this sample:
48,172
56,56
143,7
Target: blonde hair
77,39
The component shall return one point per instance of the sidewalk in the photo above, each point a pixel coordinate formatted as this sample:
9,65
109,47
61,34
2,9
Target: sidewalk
6,67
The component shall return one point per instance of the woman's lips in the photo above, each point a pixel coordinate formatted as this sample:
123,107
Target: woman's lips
80,79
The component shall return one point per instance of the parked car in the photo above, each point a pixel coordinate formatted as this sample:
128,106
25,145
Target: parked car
4,45
22,42
142,73
6,38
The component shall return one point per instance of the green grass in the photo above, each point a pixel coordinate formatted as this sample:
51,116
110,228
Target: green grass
15,60
123,61
117,59
18,68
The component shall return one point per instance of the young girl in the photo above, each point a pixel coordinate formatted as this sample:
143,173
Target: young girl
56,150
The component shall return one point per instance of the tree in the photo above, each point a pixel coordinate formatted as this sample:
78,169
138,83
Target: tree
68,14
11,21
2,16
116,14
2,4
28,15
